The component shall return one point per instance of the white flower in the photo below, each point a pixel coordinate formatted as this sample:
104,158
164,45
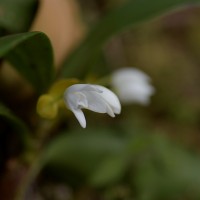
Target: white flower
132,85
92,97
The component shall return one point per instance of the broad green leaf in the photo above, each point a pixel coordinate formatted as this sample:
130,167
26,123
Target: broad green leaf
18,125
16,15
31,55
166,170
82,152
130,14
110,170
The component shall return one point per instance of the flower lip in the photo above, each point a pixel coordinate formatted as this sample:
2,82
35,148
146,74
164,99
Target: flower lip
92,97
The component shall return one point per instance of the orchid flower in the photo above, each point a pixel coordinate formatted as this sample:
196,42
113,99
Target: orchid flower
92,97
132,86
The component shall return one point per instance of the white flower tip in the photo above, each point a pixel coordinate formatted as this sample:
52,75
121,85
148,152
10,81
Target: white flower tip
114,106
118,109
80,117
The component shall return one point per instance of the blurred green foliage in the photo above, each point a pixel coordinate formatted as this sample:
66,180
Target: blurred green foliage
147,153
149,165
129,14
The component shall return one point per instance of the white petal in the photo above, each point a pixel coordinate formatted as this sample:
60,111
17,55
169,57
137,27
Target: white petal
132,85
74,99
92,97
80,117
109,111
130,74
90,88
95,102
81,100
75,88
98,104
110,98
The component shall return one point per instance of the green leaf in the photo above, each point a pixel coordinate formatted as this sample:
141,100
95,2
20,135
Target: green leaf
113,168
130,14
166,170
16,15
110,170
31,55
82,152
